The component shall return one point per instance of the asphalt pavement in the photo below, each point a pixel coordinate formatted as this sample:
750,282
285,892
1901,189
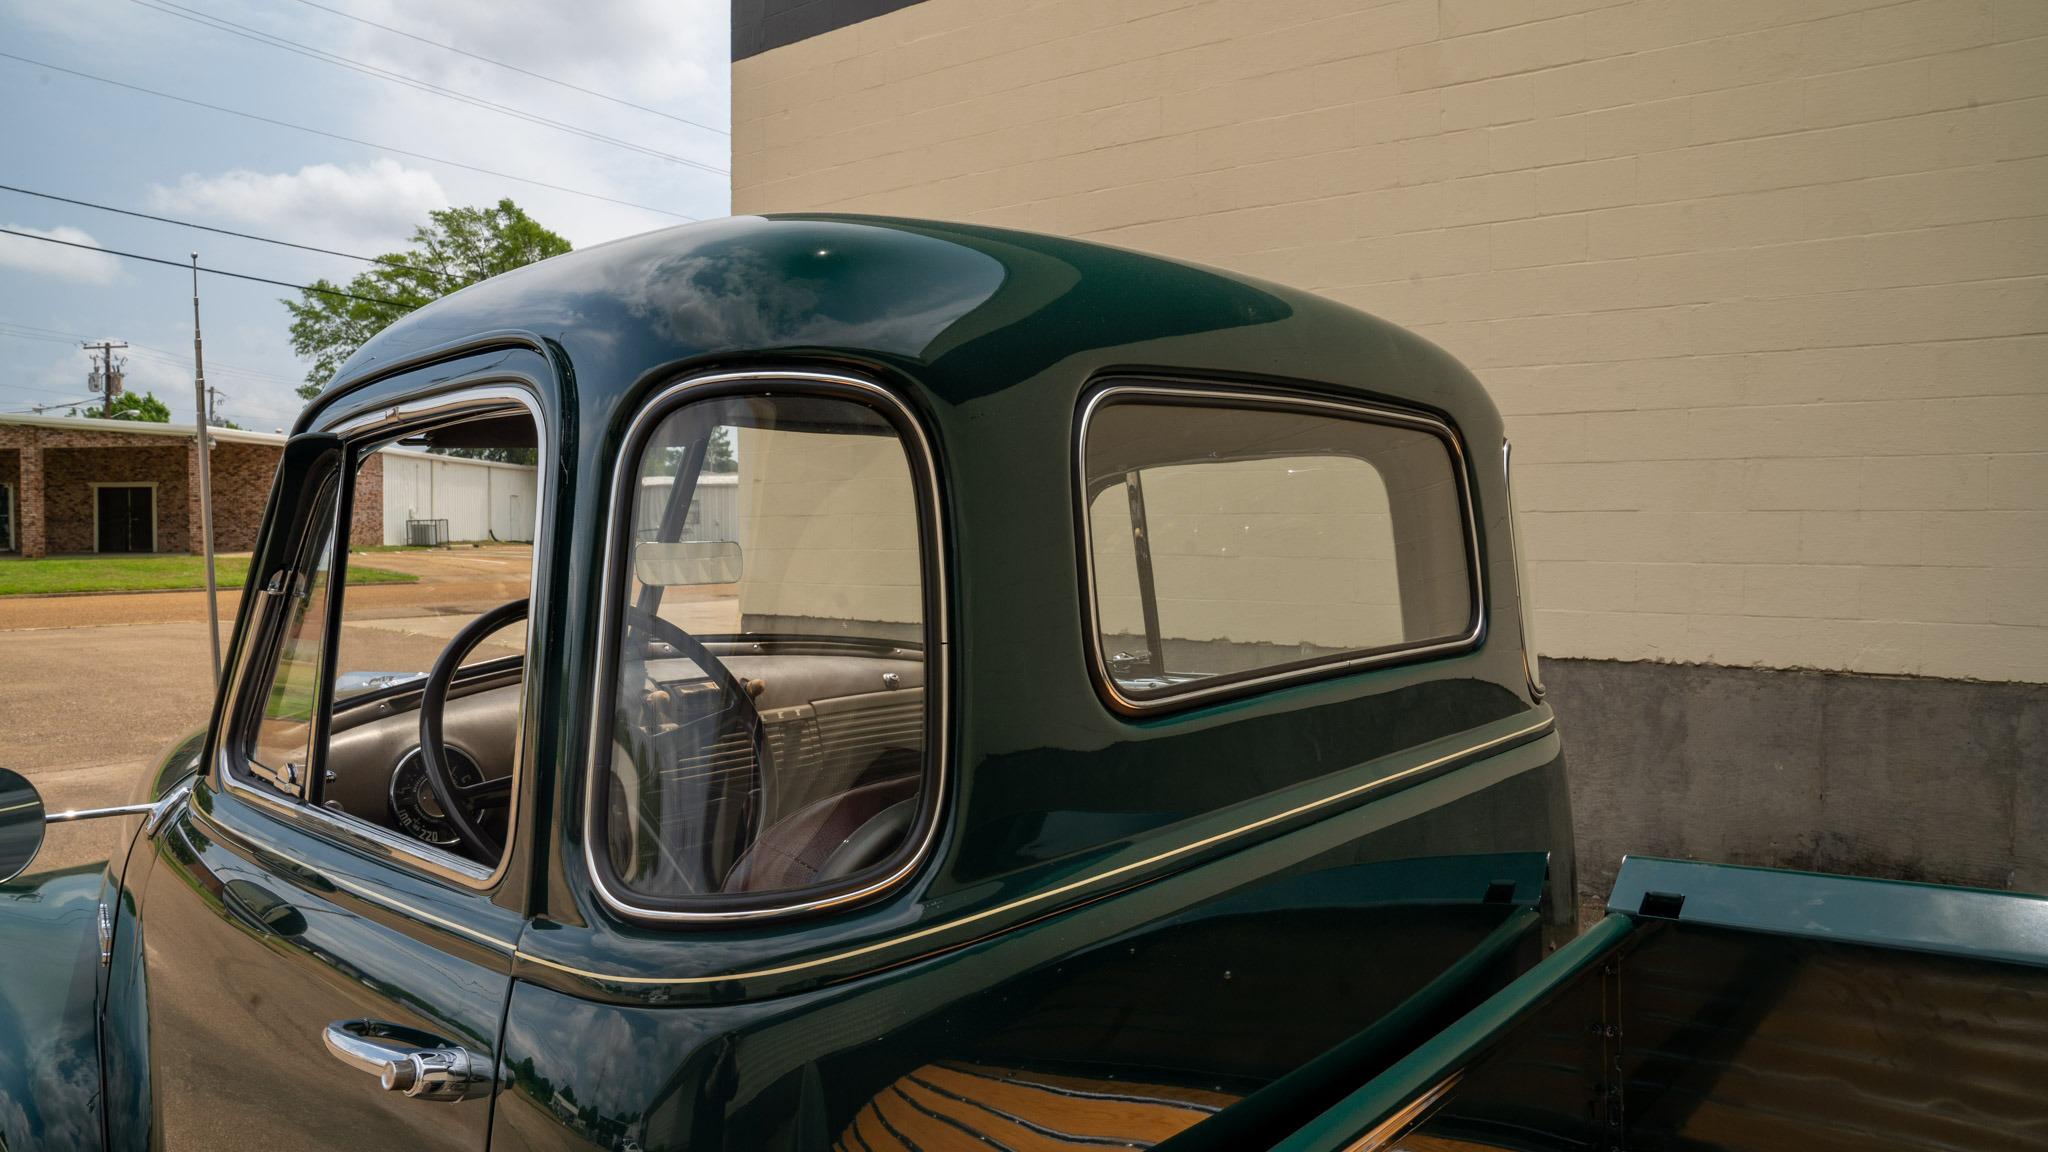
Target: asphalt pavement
94,689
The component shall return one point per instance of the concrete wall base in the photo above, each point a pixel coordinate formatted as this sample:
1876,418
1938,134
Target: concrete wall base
1943,781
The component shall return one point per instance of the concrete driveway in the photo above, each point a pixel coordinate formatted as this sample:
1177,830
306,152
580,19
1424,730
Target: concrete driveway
93,689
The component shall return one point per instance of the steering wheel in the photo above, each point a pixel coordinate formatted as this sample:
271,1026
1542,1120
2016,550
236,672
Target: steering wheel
457,799
736,701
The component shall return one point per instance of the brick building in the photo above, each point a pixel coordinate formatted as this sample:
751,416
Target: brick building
77,486
1760,286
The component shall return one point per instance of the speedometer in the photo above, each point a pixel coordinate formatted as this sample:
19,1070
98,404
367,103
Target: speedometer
415,810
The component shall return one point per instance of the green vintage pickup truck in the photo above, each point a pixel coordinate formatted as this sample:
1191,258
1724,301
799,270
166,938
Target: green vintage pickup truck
974,690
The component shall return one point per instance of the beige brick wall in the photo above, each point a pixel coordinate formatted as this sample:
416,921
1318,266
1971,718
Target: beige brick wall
829,528
1761,285
1297,551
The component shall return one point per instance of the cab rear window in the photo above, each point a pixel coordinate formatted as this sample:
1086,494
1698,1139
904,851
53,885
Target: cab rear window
1233,542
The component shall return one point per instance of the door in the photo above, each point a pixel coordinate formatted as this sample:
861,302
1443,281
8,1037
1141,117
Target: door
126,516
305,923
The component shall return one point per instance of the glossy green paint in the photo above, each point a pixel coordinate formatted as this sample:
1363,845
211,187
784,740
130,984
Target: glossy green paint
1066,825
1388,822
254,934
49,1067
1229,976
1983,925
1456,1048
990,337
180,761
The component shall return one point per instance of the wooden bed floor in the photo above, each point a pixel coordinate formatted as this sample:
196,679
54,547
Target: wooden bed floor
949,1107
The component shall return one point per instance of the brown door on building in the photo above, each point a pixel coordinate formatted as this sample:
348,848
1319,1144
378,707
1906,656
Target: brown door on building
127,518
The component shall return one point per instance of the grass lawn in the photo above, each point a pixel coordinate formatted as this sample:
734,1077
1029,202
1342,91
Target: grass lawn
20,577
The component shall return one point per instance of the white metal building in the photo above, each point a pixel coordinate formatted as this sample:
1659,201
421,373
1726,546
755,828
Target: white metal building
480,499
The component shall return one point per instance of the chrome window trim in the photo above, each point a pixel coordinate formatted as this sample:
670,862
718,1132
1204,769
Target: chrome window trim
932,538
1532,660
436,405
1173,392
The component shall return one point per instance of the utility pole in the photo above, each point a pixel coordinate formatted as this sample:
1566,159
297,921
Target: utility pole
199,409
106,374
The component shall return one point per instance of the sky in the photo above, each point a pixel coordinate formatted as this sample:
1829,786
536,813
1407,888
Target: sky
71,136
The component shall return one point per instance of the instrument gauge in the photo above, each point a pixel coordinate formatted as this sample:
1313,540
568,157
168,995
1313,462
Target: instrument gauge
415,810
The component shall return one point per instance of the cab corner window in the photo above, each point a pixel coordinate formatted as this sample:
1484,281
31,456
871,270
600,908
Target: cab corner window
768,707
1230,543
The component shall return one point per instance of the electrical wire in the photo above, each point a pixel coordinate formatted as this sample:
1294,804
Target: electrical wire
44,391
338,136
161,355
220,24
203,268
189,224
515,68
46,339
174,360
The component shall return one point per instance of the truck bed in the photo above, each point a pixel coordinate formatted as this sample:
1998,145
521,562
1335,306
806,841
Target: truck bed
1741,1008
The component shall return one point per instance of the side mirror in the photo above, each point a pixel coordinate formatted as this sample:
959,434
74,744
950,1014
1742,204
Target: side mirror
671,564
21,824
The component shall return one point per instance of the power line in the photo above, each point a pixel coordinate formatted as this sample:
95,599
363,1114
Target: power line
218,369
223,370
163,355
220,24
211,271
45,339
71,339
338,136
516,68
189,224
47,391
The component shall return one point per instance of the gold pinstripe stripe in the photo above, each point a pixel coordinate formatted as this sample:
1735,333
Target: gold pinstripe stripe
1532,731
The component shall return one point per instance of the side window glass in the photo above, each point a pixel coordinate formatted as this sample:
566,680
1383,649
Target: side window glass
391,612
282,749
1228,543
768,709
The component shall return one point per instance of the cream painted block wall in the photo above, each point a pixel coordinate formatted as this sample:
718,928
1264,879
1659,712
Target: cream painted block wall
829,525
1288,552
1761,285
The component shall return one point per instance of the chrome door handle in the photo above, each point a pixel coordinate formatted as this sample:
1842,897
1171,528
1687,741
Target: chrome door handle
407,1060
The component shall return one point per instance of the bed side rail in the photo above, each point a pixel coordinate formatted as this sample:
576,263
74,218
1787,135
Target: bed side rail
2006,927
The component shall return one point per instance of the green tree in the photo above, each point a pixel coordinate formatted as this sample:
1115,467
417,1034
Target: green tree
718,455
501,455
458,248
133,406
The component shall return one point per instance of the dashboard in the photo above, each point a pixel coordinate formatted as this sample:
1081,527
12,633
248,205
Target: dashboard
832,719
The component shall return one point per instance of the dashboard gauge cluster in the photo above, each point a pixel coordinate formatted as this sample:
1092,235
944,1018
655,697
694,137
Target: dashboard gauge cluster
415,810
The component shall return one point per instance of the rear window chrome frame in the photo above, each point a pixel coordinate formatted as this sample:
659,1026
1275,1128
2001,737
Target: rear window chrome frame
917,445
1168,392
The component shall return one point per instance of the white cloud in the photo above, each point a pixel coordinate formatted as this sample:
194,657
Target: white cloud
664,54
372,207
74,264
655,52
